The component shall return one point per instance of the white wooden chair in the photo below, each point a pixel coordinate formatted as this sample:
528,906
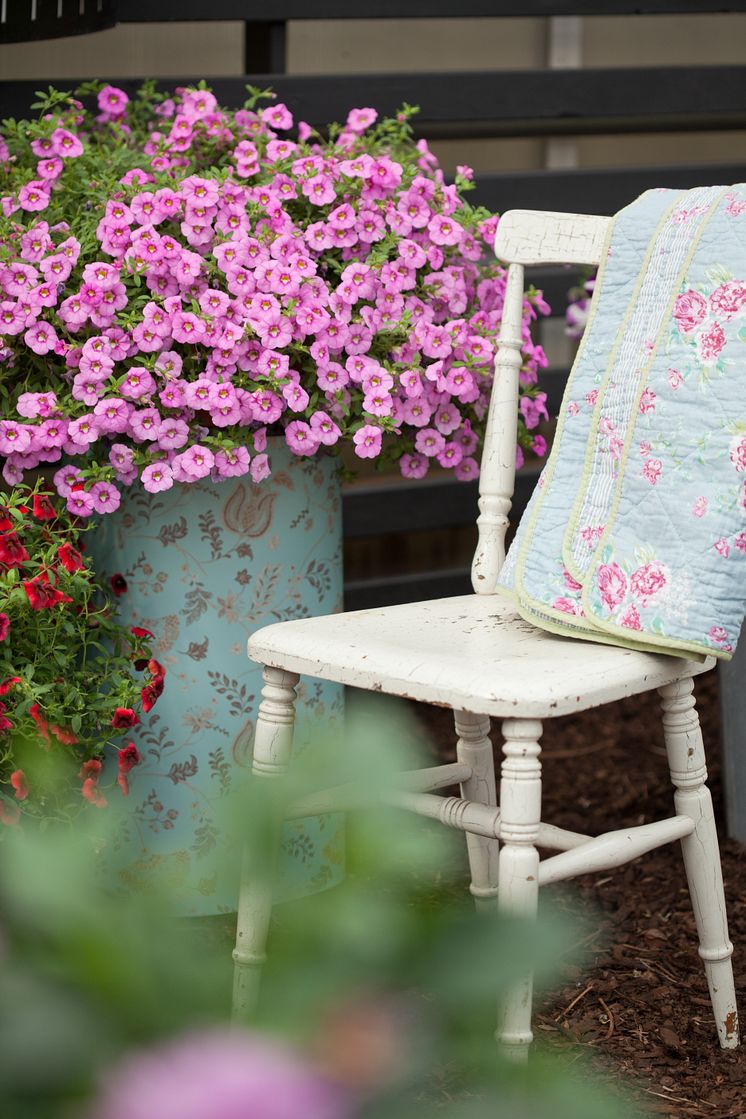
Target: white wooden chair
476,655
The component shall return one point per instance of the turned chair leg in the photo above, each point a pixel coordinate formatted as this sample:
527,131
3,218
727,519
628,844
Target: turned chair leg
686,759
474,749
272,745
520,808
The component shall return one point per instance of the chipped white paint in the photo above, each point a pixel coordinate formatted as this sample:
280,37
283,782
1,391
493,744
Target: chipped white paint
475,655
469,652
523,237
520,804
686,759
533,237
497,472
474,748
614,848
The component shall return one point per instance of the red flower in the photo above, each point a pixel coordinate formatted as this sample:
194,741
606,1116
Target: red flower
149,696
70,558
6,522
90,771
20,784
4,626
5,724
92,793
156,669
128,758
90,768
35,713
40,595
140,631
118,583
43,509
6,685
63,735
10,814
12,551
124,717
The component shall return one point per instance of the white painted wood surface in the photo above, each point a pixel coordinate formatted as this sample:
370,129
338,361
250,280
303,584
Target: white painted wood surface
520,805
471,651
686,760
273,742
476,655
528,237
497,471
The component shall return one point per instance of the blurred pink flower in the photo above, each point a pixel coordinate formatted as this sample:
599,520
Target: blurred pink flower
218,1075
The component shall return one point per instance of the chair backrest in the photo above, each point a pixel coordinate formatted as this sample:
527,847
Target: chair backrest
524,237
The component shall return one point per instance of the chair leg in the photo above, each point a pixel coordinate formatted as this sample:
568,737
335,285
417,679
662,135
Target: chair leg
272,745
520,808
701,853
474,748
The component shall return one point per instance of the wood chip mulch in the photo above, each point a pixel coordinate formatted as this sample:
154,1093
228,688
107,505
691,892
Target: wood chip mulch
639,1005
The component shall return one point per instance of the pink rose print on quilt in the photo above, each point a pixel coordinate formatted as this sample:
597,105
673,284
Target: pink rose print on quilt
652,470
689,311
727,300
710,342
647,401
738,454
566,606
648,580
630,618
612,584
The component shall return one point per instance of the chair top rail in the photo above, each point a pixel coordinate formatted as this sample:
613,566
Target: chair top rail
151,11
546,237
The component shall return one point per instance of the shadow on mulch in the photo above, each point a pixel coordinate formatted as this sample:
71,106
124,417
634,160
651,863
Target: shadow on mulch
639,1007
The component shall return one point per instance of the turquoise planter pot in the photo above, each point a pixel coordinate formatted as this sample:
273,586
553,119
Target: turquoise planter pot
206,565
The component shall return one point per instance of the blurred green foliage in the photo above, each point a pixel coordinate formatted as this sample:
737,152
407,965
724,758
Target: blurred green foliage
387,984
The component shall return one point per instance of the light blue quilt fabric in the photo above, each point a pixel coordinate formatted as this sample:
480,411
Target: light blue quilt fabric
636,532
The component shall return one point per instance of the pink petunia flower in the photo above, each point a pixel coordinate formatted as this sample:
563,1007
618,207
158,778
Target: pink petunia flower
157,477
367,441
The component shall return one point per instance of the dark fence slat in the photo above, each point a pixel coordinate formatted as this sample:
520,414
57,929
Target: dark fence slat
265,47
552,382
590,191
54,19
367,594
490,103
400,506
360,509
554,283
150,11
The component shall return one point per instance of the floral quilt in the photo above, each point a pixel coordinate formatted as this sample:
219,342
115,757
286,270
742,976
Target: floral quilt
636,531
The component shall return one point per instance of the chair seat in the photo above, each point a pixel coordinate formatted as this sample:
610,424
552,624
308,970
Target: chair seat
472,652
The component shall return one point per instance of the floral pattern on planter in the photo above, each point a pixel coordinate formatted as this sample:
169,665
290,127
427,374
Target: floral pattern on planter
206,565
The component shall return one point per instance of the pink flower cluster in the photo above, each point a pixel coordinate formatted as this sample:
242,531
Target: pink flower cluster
223,282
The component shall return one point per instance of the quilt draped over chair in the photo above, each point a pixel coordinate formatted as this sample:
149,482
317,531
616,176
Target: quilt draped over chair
636,532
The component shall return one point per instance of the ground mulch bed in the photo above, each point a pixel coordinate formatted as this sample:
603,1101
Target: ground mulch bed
639,1006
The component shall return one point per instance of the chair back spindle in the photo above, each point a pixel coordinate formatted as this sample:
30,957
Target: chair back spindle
524,237
497,475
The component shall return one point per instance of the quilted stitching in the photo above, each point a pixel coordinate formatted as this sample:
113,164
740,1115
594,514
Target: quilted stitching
637,530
